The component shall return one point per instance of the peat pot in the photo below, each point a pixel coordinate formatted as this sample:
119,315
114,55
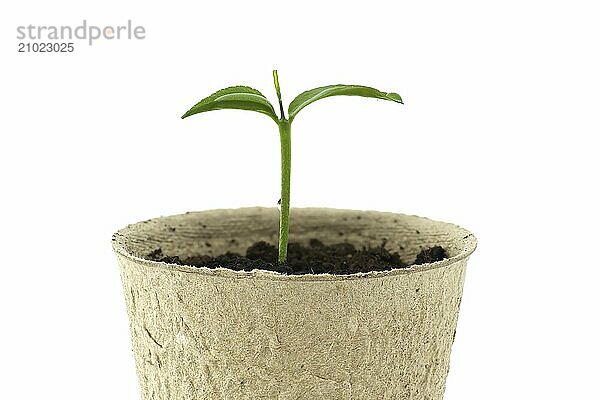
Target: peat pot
202,333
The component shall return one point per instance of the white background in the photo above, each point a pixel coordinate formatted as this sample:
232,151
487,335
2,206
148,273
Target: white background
498,134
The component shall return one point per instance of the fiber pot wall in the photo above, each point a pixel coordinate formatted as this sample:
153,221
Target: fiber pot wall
203,333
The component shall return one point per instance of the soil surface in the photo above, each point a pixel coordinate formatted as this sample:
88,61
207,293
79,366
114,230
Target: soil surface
316,258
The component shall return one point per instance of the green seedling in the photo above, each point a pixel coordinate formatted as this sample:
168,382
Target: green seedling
246,98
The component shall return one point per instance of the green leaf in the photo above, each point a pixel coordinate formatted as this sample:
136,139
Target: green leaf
237,98
310,96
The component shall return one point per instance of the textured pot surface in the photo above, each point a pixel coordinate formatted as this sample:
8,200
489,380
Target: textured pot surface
203,333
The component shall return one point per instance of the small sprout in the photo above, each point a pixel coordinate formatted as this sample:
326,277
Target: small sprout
246,98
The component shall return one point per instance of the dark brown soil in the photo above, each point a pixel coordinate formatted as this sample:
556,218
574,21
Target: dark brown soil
317,258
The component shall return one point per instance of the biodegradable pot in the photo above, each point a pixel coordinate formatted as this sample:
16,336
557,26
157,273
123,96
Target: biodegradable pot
202,333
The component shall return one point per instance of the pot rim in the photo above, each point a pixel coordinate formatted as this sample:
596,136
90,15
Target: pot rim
467,245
